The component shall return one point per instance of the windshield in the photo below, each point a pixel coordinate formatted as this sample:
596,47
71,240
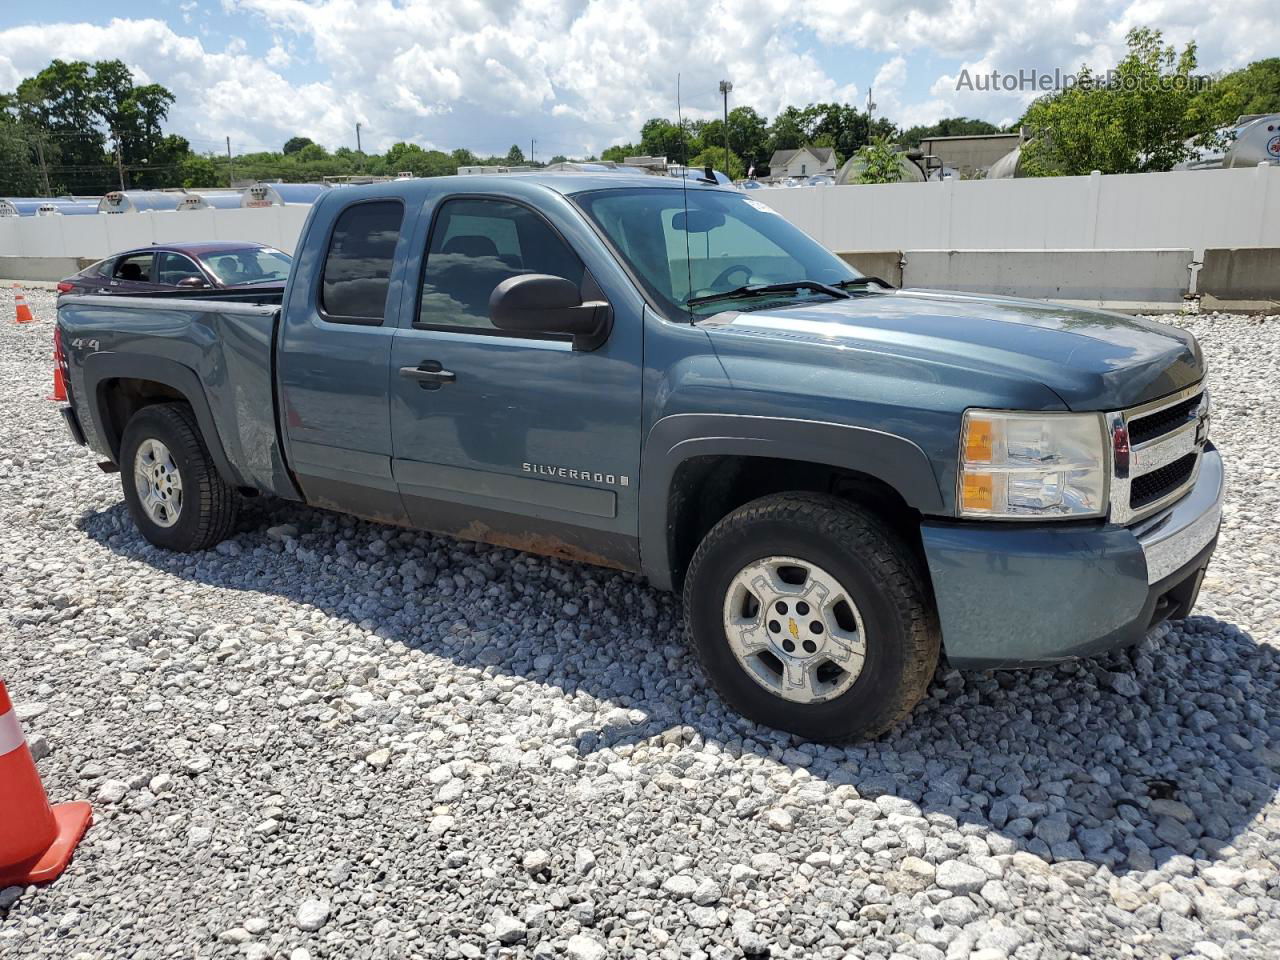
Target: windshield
250,265
722,242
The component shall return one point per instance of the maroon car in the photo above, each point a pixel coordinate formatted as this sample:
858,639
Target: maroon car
183,266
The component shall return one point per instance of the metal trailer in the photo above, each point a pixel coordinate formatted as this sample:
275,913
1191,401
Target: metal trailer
211,201
136,201
282,194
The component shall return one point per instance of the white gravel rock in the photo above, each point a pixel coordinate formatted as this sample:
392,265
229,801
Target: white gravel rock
312,914
530,711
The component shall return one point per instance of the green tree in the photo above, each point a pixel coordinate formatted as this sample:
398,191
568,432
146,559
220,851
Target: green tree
1139,122
948,127
664,138
620,152
1249,90
79,109
714,157
880,162
60,104
411,158
515,156
19,173
294,144
200,170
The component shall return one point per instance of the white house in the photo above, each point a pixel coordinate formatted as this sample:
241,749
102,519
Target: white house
804,162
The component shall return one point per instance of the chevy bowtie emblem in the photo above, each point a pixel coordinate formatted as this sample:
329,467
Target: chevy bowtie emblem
795,630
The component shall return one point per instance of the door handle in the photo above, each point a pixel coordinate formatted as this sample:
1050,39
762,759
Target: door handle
430,374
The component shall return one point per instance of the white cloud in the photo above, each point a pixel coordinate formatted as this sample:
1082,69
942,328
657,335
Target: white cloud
581,74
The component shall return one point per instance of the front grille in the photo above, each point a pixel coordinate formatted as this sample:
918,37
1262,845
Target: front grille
1163,421
1150,487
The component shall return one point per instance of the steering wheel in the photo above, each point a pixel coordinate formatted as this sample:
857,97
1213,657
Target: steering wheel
721,282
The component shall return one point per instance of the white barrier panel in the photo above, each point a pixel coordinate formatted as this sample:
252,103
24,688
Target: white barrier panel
1111,276
1193,208
99,236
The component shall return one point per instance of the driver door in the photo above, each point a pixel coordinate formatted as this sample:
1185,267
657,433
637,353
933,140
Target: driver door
517,440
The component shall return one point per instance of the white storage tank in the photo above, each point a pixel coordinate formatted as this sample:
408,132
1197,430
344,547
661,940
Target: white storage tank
225,200
65,208
282,194
136,201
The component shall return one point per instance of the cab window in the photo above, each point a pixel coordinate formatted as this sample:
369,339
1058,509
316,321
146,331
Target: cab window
476,244
357,269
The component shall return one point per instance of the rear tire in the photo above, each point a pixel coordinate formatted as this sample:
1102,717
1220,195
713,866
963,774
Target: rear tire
175,494
811,615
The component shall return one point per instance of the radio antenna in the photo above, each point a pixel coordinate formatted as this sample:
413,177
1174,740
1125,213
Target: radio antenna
684,188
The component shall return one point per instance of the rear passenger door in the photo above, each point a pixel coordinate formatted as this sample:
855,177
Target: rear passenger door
520,440
335,354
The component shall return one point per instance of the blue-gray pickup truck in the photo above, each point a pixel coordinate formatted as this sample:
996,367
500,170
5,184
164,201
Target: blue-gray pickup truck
845,480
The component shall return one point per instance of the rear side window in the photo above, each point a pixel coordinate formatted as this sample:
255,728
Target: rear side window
475,245
135,267
357,269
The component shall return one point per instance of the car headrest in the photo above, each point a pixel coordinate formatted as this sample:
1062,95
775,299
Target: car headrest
471,246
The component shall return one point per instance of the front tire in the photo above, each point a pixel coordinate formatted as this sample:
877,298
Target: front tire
811,615
175,494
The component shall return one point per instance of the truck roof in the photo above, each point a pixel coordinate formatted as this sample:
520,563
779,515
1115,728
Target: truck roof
567,183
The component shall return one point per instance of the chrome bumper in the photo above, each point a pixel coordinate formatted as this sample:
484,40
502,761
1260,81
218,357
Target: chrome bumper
1173,537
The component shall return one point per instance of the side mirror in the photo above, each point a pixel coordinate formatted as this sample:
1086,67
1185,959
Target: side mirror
542,304
192,283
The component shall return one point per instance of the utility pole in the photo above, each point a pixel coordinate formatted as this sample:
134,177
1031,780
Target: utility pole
725,88
230,169
119,162
532,142
44,169
359,149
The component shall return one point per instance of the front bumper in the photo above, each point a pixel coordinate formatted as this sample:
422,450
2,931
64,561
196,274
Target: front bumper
1022,595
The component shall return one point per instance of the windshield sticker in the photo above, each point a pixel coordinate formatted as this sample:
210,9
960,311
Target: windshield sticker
762,207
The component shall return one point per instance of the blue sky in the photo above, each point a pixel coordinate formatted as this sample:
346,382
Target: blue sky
579,75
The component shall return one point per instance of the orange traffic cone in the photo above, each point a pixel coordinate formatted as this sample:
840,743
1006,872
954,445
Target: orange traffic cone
36,841
59,394
23,311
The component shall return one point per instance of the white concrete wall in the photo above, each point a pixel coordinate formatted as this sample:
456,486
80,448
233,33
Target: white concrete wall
1195,209
98,236
1095,276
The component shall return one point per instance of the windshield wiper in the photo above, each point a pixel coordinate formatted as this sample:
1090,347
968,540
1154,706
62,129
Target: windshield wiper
763,289
863,281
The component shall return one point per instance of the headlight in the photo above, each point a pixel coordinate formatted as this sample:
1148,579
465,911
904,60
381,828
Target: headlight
1032,465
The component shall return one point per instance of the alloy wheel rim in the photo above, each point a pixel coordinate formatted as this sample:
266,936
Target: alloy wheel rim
158,482
794,629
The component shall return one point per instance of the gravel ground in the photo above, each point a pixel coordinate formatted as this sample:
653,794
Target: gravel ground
330,738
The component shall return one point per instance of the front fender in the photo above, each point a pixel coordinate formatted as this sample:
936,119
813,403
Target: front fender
892,459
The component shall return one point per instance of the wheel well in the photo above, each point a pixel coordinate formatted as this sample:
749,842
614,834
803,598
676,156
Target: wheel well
705,489
121,397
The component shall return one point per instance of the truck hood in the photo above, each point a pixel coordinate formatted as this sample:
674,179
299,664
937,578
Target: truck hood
1092,359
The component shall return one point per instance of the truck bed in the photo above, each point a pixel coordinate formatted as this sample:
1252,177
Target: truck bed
215,349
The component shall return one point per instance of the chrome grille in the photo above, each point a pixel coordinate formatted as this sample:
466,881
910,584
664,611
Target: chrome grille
1147,428
1158,484
1155,454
